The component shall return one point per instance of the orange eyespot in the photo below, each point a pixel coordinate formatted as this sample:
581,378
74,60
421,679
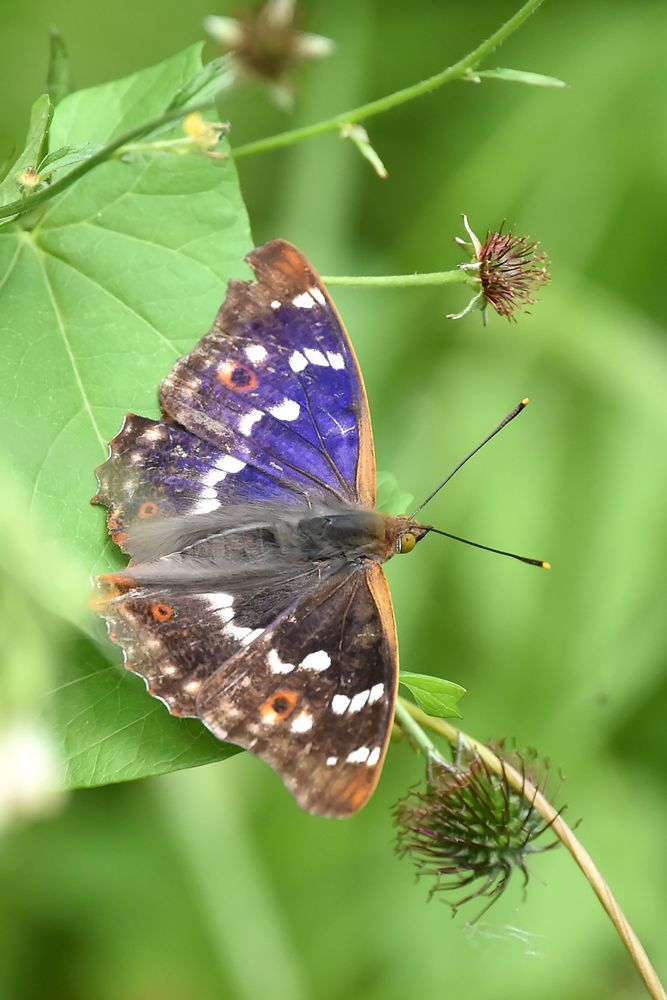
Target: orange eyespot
162,612
279,706
238,377
148,509
406,542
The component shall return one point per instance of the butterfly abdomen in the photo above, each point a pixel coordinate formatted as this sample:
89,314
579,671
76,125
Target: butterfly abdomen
284,539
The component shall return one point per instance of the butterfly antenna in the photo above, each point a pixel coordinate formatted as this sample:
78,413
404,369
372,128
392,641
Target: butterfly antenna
487,548
503,423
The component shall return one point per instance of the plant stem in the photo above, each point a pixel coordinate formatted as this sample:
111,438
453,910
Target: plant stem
413,730
453,72
23,206
457,277
521,785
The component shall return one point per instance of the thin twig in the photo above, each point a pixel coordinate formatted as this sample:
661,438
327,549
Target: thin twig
457,277
27,204
454,72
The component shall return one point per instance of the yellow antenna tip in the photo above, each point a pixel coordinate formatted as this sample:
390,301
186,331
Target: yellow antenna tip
546,565
525,402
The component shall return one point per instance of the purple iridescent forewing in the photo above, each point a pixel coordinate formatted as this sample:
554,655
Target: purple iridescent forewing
275,383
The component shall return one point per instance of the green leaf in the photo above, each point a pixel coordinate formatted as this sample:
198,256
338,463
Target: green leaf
434,695
102,113
109,729
58,77
391,498
40,116
120,276
66,157
215,77
517,76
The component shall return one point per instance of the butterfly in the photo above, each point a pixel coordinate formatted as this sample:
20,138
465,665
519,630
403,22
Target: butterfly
255,598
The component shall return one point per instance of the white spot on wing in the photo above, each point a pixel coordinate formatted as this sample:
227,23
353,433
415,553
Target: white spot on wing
359,701
289,409
255,634
376,693
336,360
303,301
332,761
297,362
237,631
208,492
339,704
221,604
255,353
374,756
192,686
302,723
205,505
248,421
315,357
153,433
277,665
219,600
317,661
211,479
318,296
230,464
275,304
358,756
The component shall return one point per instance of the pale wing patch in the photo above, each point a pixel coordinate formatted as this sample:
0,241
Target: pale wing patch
297,362
277,665
317,661
339,704
205,505
255,353
248,421
335,359
289,409
316,357
303,301
358,701
376,692
302,723
230,464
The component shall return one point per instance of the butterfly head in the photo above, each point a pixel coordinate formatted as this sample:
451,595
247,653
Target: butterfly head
402,534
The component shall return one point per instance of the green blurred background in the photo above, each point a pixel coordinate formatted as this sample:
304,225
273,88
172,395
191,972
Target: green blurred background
211,883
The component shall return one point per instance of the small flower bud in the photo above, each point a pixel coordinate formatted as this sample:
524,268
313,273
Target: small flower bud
204,134
30,179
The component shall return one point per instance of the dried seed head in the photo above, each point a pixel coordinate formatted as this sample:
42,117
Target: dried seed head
469,829
509,268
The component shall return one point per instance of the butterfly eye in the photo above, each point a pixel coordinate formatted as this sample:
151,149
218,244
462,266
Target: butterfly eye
406,542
